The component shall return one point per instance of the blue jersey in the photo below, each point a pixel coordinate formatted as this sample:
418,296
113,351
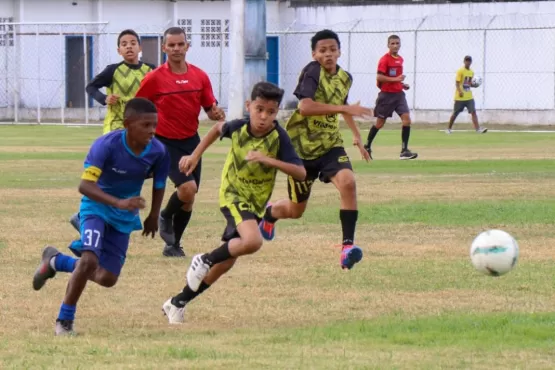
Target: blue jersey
121,173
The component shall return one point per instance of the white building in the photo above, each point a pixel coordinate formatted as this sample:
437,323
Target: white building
54,47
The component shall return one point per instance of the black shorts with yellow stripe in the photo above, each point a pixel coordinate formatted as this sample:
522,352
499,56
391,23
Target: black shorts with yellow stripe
234,214
323,168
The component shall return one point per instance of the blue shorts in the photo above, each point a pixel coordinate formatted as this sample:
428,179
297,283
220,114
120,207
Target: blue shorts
109,245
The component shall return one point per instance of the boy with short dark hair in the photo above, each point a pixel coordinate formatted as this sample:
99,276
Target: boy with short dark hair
323,90
111,184
259,149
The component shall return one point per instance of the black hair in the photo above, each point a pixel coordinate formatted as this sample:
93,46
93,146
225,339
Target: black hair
174,31
138,106
393,37
324,35
128,32
267,91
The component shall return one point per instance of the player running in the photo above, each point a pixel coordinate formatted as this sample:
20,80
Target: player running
259,149
322,90
111,184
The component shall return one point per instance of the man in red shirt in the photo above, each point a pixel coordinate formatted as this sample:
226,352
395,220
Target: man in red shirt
391,97
179,90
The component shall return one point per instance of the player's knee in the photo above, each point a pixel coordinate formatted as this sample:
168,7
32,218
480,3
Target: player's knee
252,243
88,263
379,124
107,279
296,210
186,192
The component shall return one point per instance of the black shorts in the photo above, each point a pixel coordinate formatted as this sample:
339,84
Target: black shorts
387,103
323,168
461,104
235,214
178,148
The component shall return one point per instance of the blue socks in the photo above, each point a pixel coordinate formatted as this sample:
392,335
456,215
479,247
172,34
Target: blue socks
64,263
67,312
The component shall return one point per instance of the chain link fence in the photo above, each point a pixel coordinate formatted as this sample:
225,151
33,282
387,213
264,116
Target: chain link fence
514,55
44,68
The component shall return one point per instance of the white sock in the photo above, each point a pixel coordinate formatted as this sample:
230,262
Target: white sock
53,262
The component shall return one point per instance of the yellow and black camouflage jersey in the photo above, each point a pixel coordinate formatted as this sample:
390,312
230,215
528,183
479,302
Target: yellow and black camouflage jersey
120,79
314,136
249,183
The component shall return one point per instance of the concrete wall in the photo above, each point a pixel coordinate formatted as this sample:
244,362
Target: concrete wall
516,79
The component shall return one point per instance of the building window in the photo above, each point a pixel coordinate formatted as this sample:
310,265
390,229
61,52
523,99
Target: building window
211,33
226,33
187,26
6,32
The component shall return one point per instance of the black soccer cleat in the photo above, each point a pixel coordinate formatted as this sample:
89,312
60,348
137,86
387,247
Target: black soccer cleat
173,251
407,154
45,271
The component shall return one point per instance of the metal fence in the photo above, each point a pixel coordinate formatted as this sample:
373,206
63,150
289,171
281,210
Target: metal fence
44,68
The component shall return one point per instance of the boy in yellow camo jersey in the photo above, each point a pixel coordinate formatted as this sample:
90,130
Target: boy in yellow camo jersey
259,149
463,96
121,80
322,91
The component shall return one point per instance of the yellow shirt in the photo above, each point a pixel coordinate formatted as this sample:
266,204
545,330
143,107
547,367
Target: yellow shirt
464,76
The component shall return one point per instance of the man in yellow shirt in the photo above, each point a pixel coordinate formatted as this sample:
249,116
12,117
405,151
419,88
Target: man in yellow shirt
463,96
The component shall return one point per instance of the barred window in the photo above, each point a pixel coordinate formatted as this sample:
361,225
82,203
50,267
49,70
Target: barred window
6,32
211,33
187,26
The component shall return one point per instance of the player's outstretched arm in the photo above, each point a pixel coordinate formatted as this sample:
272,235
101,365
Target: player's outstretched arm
296,171
309,107
187,164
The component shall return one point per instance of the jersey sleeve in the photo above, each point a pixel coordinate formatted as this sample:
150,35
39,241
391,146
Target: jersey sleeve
459,76
230,127
161,170
96,160
308,82
148,87
286,151
103,79
382,66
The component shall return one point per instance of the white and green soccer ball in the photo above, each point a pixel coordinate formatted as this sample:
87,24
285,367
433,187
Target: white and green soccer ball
494,252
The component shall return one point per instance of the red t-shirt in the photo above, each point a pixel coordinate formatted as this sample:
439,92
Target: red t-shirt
178,99
390,66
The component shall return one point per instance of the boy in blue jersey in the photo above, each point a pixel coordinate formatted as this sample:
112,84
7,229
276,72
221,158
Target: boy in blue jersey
111,184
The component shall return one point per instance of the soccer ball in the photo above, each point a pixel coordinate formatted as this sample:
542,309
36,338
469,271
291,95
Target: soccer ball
476,81
494,252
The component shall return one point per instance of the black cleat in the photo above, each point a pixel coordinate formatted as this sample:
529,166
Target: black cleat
407,154
173,251
45,271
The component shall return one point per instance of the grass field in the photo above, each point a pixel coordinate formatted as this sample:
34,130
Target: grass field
415,302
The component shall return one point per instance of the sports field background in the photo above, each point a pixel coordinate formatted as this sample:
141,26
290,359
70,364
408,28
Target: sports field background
415,302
